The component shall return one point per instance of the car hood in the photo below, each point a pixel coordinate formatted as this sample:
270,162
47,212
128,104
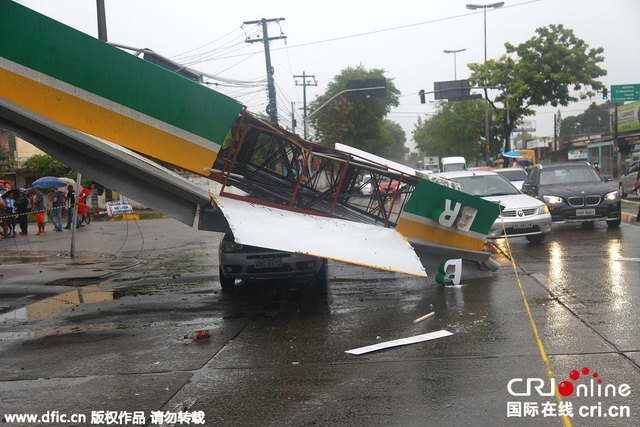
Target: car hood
515,201
576,189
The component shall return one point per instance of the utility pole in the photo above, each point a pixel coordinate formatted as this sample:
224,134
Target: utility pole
102,21
272,109
555,134
293,117
304,85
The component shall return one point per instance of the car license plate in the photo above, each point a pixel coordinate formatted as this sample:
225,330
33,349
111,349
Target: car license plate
521,225
585,212
268,263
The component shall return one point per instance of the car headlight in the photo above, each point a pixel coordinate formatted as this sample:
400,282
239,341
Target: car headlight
612,197
229,246
543,209
552,200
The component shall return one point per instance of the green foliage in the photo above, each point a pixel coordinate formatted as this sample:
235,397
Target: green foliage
454,130
545,69
594,119
360,122
6,162
44,165
394,135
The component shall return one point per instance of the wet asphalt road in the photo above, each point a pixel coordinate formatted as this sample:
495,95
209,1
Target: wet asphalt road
104,332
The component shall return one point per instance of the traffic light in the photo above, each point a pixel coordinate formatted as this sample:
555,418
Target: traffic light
494,133
421,93
605,93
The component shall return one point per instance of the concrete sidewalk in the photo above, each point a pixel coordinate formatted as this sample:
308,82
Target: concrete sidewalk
101,249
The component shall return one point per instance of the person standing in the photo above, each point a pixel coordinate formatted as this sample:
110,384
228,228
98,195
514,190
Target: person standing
56,212
38,207
71,202
3,208
10,208
22,208
94,198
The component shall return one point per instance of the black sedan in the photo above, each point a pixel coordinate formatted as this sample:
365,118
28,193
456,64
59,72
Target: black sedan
574,192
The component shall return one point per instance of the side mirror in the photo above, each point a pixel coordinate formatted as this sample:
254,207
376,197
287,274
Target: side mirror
529,187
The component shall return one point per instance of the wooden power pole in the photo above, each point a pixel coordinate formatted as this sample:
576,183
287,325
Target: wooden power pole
272,109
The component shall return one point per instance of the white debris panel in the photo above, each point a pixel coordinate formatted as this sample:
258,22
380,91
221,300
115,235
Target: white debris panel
402,341
356,243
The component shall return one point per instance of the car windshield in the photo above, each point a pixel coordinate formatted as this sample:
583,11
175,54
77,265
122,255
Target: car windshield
514,174
568,175
452,167
486,185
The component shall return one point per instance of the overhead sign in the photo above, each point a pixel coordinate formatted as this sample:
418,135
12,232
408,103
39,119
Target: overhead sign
453,90
623,93
366,88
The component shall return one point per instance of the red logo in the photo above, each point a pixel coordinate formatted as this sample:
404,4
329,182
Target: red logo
566,388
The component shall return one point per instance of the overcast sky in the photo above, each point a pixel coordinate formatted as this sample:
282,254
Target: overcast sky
404,37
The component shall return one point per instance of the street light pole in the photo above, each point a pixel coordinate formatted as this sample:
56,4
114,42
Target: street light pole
455,75
486,96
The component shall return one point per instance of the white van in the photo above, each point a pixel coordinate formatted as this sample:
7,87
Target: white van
450,164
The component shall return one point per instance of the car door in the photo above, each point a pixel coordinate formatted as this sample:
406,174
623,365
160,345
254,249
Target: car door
629,179
531,186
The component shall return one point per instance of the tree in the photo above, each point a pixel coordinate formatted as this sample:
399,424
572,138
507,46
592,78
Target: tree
359,122
454,129
394,135
44,165
543,70
594,120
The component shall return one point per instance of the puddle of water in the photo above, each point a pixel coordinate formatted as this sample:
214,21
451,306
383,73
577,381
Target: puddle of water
50,307
55,330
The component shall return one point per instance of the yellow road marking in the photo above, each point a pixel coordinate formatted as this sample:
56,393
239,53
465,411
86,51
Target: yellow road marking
565,419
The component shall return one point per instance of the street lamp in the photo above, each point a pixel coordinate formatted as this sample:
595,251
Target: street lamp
455,76
486,100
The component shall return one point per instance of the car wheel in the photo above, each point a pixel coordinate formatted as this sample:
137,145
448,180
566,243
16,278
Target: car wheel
227,283
320,279
613,223
621,191
536,238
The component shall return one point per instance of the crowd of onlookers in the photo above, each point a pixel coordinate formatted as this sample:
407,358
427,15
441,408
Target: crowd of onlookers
17,206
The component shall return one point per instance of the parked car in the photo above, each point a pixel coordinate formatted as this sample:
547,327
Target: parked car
517,176
574,192
243,262
365,186
387,185
628,181
522,215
